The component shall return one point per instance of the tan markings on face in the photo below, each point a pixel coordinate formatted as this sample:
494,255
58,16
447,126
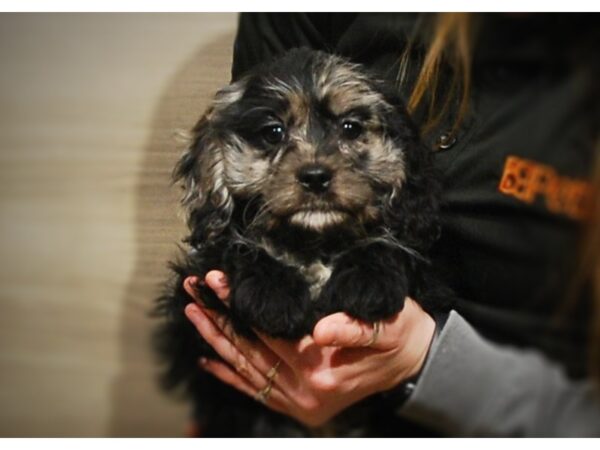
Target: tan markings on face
346,89
246,170
351,195
292,92
351,188
360,167
385,161
299,110
283,89
283,193
342,100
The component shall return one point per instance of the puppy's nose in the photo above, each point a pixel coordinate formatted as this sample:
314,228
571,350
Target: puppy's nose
314,178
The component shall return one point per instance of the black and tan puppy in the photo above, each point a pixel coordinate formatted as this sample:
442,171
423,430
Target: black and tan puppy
307,185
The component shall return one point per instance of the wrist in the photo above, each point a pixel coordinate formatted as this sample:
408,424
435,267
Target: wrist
421,334
400,394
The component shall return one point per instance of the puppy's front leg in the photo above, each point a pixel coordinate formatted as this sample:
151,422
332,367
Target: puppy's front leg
369,283
269,296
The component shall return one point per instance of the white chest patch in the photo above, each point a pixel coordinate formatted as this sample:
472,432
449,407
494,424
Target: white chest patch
316,275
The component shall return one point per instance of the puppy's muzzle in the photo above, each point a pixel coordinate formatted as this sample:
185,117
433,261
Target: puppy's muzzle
315,178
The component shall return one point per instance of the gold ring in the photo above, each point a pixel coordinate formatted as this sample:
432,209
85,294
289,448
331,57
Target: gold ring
263,395
272,373
375,335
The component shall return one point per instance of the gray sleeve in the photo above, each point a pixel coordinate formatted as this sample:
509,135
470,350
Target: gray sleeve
472,387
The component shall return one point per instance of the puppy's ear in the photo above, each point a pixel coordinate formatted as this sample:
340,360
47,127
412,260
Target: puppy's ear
206,198
412,207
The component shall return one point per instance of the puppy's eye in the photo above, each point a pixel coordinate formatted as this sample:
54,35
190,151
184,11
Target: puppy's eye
273,134
351,129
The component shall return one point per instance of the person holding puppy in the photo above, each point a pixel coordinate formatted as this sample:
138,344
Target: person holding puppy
510,109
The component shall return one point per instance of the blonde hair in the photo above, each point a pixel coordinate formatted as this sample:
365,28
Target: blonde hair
449,41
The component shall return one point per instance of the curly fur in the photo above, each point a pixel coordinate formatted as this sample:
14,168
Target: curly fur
357,246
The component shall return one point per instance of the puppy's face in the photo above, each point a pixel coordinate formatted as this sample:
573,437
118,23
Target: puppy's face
307,142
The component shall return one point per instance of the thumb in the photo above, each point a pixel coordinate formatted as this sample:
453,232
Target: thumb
217,281
341,330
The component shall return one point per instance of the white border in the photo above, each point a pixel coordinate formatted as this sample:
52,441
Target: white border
305,5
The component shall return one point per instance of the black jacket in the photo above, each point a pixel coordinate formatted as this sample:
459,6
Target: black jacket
515,180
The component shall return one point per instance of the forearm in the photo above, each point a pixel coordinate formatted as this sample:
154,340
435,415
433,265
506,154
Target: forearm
470,386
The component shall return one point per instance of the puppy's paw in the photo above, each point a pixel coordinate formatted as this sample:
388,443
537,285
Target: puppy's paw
369,283
271,298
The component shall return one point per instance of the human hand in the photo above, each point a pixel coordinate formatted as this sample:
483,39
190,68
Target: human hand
318,376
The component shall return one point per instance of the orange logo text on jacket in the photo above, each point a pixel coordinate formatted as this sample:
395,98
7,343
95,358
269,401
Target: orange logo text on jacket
528,180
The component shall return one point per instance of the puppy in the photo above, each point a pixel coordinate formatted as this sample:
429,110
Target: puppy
306,183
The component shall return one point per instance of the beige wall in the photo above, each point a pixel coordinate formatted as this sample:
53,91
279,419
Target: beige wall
88,108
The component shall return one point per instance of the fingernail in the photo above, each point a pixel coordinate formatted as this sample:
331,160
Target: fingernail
192,309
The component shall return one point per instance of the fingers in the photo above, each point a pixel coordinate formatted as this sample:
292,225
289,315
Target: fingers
189,284
288,351
227,347
297,355
249,375
265,353
224,373
215,280
227,375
